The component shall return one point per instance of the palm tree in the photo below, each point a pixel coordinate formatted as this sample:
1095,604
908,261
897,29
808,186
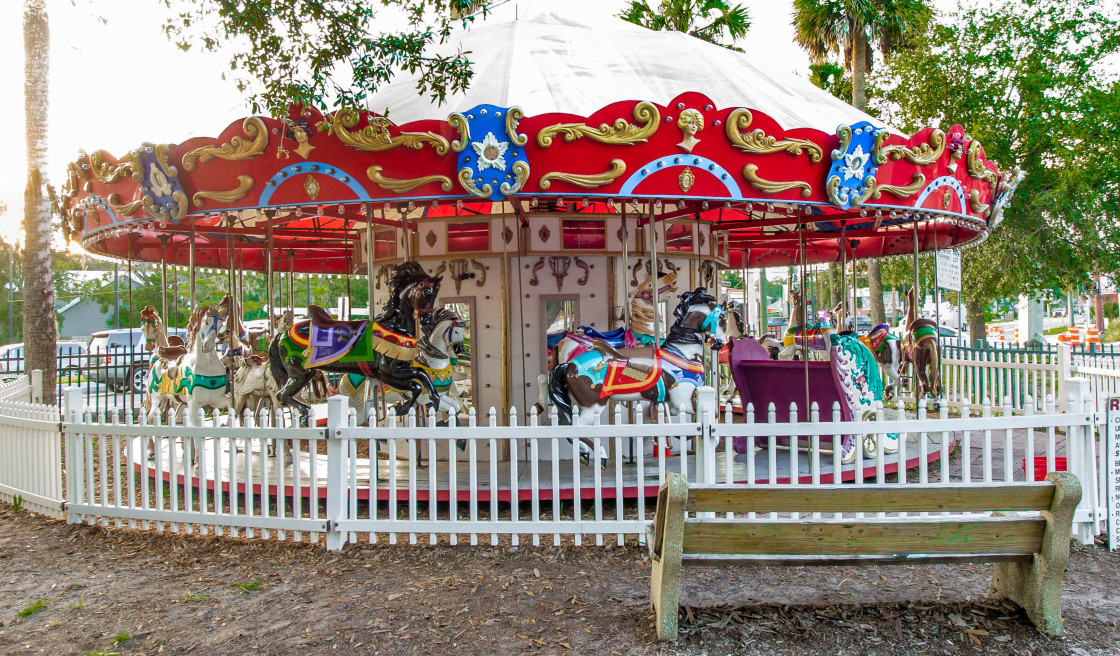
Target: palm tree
40,329
686,16
851,28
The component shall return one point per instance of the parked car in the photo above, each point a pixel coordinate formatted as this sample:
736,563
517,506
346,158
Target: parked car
121,361
71,356
863,324
776,325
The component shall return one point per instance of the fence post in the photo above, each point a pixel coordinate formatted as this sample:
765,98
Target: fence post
1082,452
338,415
1064,360
36,385
72,407
705,449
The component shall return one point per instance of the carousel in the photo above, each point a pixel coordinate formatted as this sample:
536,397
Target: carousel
577,202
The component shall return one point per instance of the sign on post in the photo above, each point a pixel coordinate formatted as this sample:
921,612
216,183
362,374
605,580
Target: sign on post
1112,472
949,270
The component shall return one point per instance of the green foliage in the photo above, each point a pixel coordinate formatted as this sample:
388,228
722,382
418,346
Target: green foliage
195,598
310,52
79,604
825,28
248,586
830,77
34,607
1110,309
121,637
17,504
1028,80
714,21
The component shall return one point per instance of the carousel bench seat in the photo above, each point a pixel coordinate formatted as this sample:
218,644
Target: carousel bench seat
1027,536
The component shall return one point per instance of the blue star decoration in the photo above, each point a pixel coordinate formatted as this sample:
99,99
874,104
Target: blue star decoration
851,179
492,162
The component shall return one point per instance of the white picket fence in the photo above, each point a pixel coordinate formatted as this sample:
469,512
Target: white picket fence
30,447
526,480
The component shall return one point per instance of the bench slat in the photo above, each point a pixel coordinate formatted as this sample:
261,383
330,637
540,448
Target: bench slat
881,537
763,560
868,498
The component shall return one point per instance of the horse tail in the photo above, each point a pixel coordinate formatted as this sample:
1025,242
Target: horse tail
558,392
276,361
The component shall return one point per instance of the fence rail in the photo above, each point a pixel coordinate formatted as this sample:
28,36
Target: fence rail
532,480
30,448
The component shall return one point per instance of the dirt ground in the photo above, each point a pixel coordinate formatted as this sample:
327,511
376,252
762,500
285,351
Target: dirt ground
105,591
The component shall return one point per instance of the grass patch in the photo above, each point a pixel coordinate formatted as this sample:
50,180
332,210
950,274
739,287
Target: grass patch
34,607
121,637
248,586
101,653
17,504
1056,331
195,598
79,605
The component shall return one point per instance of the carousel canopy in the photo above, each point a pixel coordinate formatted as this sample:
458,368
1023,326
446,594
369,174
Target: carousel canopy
568,113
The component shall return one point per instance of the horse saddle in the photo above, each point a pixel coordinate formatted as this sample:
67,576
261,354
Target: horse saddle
619,337
170,352
322,320
876,341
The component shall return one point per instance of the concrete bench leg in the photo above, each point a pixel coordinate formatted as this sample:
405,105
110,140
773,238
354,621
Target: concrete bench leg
1037,586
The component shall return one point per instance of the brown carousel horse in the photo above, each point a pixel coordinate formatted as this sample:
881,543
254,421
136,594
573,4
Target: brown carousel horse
921,348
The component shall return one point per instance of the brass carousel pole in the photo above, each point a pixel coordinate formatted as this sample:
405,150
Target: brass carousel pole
268,272
625,268
804,318
190,259
653,266
843,272
369,256
163,275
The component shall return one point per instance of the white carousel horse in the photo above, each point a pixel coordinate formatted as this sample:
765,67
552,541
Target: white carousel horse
200,381
159,398
438,348
252,384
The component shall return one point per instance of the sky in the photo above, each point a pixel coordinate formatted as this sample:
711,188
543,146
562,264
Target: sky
116,82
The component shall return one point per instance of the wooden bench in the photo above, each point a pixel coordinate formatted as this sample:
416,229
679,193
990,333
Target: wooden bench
1029,550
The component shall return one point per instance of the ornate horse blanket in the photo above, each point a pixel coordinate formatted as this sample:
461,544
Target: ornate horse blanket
877,340
815,332
350,342
629,377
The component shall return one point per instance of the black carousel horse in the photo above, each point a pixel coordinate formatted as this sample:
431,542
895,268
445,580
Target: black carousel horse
383,349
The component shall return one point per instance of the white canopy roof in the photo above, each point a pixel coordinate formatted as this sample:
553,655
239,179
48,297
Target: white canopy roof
574,57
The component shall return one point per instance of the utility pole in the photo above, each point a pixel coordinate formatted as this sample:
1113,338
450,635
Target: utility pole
11,293
116,297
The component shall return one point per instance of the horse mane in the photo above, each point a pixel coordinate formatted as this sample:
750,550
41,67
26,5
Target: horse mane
688,299
195,323
444,313
149,313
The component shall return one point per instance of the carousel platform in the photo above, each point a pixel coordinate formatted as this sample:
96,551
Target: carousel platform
383,479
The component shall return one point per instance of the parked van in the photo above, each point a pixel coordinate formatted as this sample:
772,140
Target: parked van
120,359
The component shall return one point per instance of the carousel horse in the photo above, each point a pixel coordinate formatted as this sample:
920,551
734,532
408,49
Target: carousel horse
166,352
253,382
439,346
922,349
816,336
668,373
383,349
230,312
566,345
883,345
201,377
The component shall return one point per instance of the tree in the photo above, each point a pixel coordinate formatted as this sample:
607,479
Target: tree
1029,80
39,327
307,53
710,20
852,27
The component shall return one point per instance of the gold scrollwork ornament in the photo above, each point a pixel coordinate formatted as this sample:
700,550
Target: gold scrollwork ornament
922,154
757,141
406,184
466,178
750,172
917,183
975,165
646,121
587,181
239,148
244,186
376,138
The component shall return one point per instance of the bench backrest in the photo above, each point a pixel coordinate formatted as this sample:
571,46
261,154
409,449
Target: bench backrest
1008,537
